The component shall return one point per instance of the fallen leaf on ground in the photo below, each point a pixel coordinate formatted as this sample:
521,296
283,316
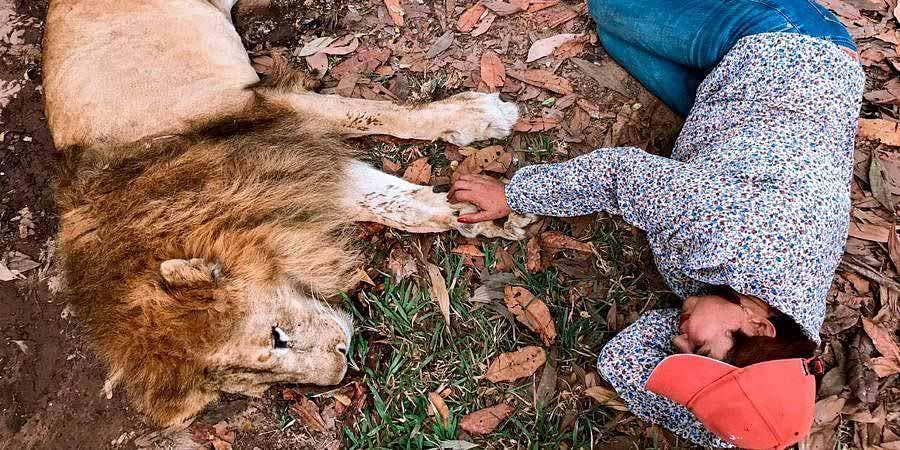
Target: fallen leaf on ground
362,277
470,17
400,264
318,62
484,25
883,340
828,409
546,47
894,247
531,312
493,73
607,74
363,62
440,45
502,8
468,250
515,365
395,11
554,240
544,79
493,287
438,291
869,232
884,177
344,46
606,397
457,445
885,367
314,46
884,130
488,159
6,274
390,166
536,125
308,414
546,388
556,16
485,420
537,5
419,172
437,407
533,255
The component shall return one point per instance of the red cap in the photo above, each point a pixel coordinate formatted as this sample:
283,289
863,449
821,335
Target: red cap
768,405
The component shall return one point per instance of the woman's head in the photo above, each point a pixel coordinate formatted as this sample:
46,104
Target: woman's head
739,329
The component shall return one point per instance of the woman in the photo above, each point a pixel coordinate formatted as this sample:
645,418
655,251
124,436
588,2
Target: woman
748,219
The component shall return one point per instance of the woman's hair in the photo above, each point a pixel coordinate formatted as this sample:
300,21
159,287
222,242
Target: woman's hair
790,341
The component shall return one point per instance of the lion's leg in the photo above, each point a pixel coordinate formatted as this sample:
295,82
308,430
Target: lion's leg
374,196
460,119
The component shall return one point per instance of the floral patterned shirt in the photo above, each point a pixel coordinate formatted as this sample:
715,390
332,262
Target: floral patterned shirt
755,196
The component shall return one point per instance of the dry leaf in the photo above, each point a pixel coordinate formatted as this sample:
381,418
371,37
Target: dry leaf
543,79
556,16
390,166
531,312
440,45
546,47
363,62
502,8
488,159
6,274
533,255
400,264
347,84
884,367
554,240
318,63
314,46
546,389
606,397
869,232
344,46
470,17
515,365
894,247
484,25
536,125
363,277
607,74
828,409
308,413
468,250
396,11
884,130
883,340
537,5
485,420
437,406
493,73
419,172
439,292
570,49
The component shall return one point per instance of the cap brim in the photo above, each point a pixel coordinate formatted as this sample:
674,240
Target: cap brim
680,377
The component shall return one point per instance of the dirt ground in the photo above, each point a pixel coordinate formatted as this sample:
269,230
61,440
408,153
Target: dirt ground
50,384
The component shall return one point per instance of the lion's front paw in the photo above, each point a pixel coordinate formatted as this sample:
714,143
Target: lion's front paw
477,116
513,229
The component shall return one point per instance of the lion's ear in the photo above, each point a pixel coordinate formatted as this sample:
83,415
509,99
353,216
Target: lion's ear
184,272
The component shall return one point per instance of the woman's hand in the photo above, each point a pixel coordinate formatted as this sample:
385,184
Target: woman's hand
485,193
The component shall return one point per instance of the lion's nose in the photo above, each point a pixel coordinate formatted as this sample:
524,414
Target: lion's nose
341,348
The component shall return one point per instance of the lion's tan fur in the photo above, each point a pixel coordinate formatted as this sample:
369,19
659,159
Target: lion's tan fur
204,211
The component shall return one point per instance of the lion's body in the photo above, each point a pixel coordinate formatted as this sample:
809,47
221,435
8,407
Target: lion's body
204,213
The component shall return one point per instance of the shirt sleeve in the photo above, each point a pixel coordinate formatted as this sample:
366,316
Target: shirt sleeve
627,361
623,180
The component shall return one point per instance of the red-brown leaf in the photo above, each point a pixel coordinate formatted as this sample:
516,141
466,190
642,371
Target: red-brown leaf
308,414
419,172
544,79
533,255
396,11
468,250
531,311
485,420
515,365
554,240
469,18
493,72
437,407
536,125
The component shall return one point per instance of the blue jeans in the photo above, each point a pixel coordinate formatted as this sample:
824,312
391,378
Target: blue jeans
671,45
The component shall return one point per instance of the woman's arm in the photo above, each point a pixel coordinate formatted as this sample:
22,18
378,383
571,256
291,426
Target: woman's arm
626,363
626,181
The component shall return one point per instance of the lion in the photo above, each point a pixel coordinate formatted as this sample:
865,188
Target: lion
204,211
